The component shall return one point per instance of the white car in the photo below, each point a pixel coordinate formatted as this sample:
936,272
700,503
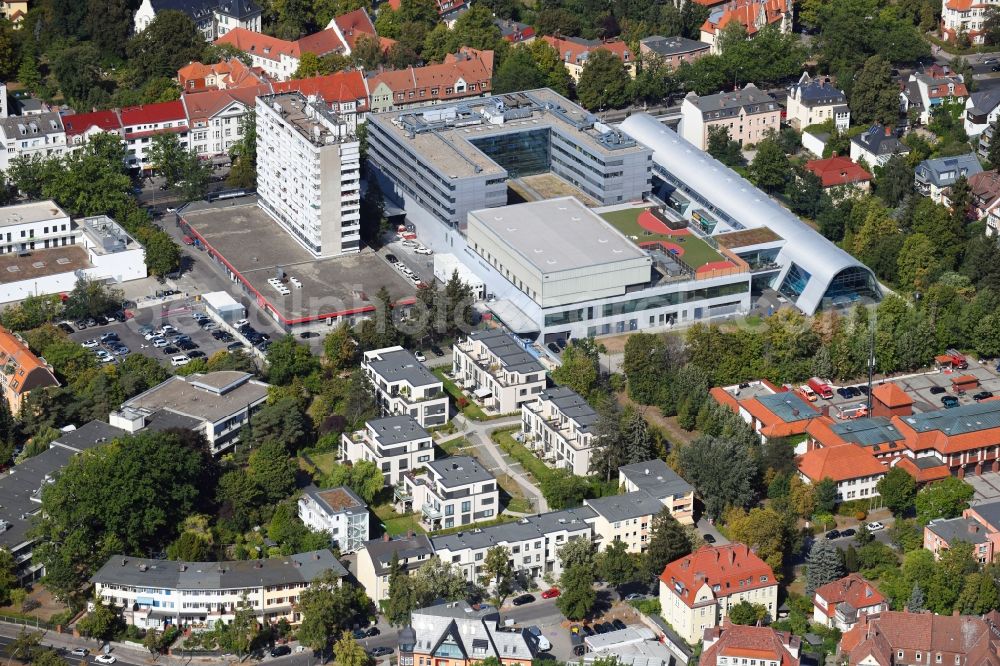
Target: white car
159,342
105,659
179,360
151,335
90,344
80,652
167,328
875,526
241,322
423,250
408,243
420,356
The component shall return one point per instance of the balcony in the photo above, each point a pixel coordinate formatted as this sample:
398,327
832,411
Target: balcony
430,512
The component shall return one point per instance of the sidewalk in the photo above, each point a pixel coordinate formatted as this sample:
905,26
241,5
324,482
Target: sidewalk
69,642
478,434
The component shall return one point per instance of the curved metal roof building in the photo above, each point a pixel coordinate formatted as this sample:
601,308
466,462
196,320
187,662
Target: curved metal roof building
814,271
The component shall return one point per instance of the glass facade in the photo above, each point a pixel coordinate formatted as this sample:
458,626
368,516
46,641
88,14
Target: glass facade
794,283
520,153
852,284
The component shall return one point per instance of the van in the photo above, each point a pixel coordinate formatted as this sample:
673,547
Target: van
179,360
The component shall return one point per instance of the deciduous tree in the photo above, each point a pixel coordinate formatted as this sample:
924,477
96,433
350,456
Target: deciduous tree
898,490
943,499
603,82
578,596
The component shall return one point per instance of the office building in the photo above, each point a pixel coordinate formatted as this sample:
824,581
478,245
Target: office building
559,427
396,444
338,512
450,492
403,386
155,594
309,173
498,369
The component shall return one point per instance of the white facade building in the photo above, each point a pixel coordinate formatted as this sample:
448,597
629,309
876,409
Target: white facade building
812,101
339,512
559,427
213,18
41,135
396,444
498,370
403,386
309,173
450,492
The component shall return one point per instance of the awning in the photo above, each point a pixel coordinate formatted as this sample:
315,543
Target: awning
513,316
482,392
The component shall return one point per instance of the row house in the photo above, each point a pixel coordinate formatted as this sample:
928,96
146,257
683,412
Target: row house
279,58
213,18
896,638
39,135
81,126
574,52
141,123
559,427
978,525
157,594
448,493
375,559
753,15
404,386
216,118
498,369
463,75
748,115
396,444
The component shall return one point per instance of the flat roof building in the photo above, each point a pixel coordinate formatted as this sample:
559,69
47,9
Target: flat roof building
396,444
498,369
558,425
337,511
404,386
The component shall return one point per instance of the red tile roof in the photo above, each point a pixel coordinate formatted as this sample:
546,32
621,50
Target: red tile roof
839,463
355,24
231,74
22,371
204,104
81,122
748,13
272,48
835,171
733,640
575,50
149,114
733,568
890,395
320,43
923,474
343,86
881,636
852,590
440,77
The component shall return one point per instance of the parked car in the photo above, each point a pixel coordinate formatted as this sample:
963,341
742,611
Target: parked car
847,533
65,328
379,652
936,390
437,351
423,250
523,599
551,593
833,534
305,335
187,345
618,624
949,401
552,347
80,652
90,344
708,538
391,258
122,350
420,356
588,630
280,650
842,392
179,360
111,336
196,354
982,395
875,526
235,346
105,659
635,596
358,634
170,350
372,631
241,322
863,389
221,335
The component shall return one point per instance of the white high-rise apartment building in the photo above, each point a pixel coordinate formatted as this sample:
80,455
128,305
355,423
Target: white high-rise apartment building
309,173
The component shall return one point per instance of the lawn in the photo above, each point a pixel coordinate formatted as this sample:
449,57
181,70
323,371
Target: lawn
324,461
471,410
396,524
519,452
696,251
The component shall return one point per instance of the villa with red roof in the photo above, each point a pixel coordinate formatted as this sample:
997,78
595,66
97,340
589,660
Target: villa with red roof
755,15
896,638
141,123
840,176
966,17
841,603
574,51
226,75
279,58
81,126
697,590
731,644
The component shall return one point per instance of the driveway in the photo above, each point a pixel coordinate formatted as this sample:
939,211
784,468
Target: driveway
478,435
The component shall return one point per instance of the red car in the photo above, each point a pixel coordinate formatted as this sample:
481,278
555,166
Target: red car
551,593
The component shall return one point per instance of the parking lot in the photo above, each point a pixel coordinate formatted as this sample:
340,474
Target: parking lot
176,313
986,485
421,265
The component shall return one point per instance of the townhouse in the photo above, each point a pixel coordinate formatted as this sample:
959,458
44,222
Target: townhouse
876,145
841,177
337,511
375,561
396,444
533,543
224,75
463,75
654,478
155,594
626,518
141,123
672,51
498,369
23,372
978,525
754,15
574,52
213,18
815,100
462,635
39,135
840,604
215,118
403,386
936,89
697,590
559,427
215,404
909,639
747,114
81,126
454,491
934,177
729,644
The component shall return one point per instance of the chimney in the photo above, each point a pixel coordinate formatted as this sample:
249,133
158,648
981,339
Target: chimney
973,528
888,130
385,537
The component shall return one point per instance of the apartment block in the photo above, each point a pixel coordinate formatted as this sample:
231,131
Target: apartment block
396,444
574,52
338,512
747,114
910,639
654,478
463,636
672,51
216,118
697,590
979,525
213,18
559,427
627,518
41,135
141,123
309,173
404,386
279,58
450,492
463,75
154,594
375,561
498,370
815,100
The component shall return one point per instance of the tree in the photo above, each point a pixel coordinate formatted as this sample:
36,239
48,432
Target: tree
438,580
169,42
916,602
281,419
271,468
48,657
402,598
328,606
562,489
577,552
668,541
25,645
498,571
340,348
195,176
239,634
167,156
917,264
897,489
722,470
636,437
367,52
765,530
99,623
243,154
78,70
874,95
363,477
747,613
580,370
616,566
519,71
895,182
770,169
577,592
349,653
603,82
805,193
825,493
91,298
287,359
823,565
993,154
943,499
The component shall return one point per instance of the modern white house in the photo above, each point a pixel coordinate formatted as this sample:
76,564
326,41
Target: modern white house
497,368
449,492
559,427
309,173
404,386
396,444
155,594
337,511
